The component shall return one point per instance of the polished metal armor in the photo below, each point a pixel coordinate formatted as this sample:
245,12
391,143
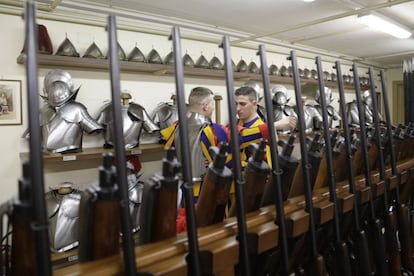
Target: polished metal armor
313,119
333,115
196,123
63,130
93,51
135,189
121,52
169,58
66,48
215,63
280,108
63,120
352,110
154,57
188,61
202,62
313,112
134,118
136,55
63,215
165,114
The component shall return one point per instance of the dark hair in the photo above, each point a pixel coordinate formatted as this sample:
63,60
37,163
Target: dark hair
246,91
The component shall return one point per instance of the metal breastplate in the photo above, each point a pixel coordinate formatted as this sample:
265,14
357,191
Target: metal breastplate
131,129
330,114
369,114
135,189
134,119
63,132
312,117
352,113
196,123
280,113
63,213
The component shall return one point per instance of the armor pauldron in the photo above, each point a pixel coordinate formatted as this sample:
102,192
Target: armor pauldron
138,113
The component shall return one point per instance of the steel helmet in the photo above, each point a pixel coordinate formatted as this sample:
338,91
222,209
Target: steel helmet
136,55
241,66
93,52
328,95
188,61
169,58
252,68
121,53
202,62
215,63
66,48
154,57
274,70
58,87
366,97
279,93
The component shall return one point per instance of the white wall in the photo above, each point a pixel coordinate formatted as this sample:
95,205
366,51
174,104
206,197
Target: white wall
95,90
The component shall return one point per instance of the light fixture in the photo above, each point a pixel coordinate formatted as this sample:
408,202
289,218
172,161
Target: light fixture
384,25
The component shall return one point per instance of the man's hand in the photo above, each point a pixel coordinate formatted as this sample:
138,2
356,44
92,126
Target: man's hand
286,123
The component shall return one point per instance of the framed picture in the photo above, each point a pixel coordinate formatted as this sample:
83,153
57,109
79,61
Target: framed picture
10,102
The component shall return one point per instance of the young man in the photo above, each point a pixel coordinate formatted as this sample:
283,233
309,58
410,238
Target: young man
251,127
202,132
202,135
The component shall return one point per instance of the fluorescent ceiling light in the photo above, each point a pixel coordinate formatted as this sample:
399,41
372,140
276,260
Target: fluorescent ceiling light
384,25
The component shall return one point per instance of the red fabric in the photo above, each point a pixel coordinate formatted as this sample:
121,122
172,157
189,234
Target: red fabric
228,131
181,221
134,160
264,131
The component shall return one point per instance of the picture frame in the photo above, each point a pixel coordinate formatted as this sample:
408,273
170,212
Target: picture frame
10,102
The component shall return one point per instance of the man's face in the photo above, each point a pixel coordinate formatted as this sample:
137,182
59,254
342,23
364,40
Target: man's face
245,108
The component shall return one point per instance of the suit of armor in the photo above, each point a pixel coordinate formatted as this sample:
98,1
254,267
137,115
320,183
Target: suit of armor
313,112
134,118
280,108
352,110
63,214
313,119
63,120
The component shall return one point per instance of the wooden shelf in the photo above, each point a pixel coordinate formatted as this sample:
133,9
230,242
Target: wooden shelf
95,153
92,64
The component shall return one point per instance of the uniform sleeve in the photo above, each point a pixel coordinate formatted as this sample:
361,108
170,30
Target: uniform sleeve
213,135
168,135
253,135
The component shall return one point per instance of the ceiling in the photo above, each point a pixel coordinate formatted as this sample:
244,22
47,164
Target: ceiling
326,27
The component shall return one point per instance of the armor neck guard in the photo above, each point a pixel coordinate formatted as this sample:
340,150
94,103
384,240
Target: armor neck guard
198,119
